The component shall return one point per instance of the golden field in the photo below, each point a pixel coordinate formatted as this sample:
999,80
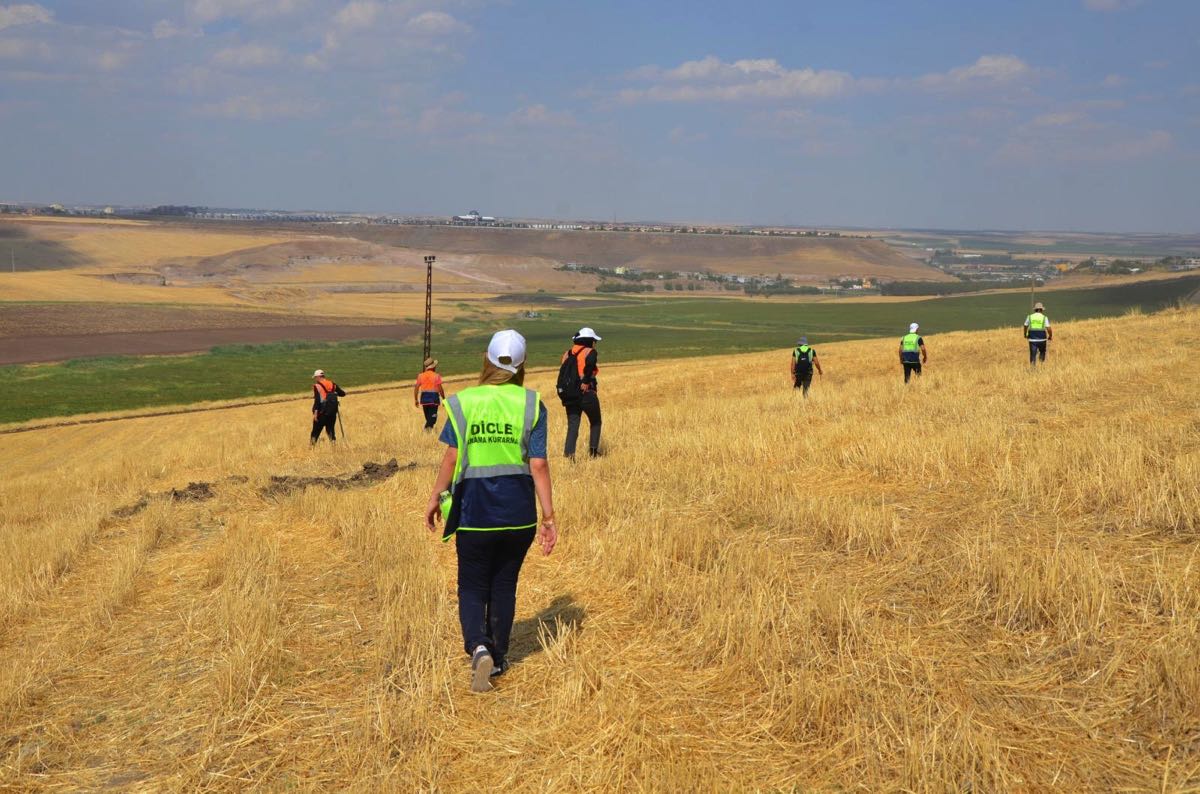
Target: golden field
985,581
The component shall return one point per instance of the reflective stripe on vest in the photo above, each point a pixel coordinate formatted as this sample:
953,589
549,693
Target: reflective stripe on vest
1037,321
911,343
473,411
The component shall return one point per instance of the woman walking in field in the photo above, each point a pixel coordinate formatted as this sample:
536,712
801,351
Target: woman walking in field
428,392
492,477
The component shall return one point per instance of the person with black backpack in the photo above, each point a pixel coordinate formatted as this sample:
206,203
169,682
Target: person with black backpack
804,358
577,391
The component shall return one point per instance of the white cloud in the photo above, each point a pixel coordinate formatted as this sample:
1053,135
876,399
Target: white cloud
1073,137
712,80
1061,119
542,116
20,49
248,56
987,70
1101,104
112,60
1110,5
363,32
208,11
166,29
357,15
256,108
444,119
23,14
681,135
435,23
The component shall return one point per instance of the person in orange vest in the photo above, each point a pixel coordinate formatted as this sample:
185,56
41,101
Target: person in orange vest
325,407
428,392
577,391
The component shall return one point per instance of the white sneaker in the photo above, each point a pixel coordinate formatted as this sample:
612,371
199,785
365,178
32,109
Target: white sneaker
481,670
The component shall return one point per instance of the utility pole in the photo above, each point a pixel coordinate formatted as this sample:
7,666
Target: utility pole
429,260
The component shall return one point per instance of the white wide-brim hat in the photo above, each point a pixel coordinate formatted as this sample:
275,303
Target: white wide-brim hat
587,333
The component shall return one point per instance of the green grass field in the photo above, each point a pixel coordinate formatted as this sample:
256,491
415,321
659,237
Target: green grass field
633,329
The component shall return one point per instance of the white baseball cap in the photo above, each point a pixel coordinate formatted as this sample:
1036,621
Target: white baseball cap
507,344
587,332
912,329
319,373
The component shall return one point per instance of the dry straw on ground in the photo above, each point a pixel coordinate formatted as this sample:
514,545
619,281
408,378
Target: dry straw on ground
985,581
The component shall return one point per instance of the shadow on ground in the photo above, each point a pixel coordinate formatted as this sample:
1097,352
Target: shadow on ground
562,615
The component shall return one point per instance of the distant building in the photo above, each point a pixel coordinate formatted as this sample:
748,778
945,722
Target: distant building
473,218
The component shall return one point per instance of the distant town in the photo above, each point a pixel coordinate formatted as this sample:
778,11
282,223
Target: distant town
472,218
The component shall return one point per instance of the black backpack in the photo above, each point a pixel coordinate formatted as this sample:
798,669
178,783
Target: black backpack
570,387
803,359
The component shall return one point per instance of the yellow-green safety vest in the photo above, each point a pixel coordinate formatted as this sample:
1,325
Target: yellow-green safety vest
492,425
1037,321
910,343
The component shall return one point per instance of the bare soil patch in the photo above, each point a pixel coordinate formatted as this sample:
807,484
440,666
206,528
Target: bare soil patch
65,319
47,349
39,333
372,473
193,492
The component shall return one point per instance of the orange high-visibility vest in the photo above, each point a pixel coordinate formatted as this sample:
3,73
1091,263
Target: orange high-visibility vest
325,387
581,353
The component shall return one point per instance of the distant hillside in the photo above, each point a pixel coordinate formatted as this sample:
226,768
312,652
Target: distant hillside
816,258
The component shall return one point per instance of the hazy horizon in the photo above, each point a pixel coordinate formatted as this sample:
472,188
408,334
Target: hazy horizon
1073,115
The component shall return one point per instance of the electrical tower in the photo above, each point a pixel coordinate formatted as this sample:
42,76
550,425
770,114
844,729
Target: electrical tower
429,260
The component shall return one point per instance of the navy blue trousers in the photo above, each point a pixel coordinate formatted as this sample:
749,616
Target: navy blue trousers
488,566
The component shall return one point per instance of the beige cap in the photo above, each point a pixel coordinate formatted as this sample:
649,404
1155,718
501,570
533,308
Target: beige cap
319,373
431,363
1039,307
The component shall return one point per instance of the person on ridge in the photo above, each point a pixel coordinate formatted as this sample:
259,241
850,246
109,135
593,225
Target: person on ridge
912,352
325,407
492,478
577,390
428,392
804,358
1039,333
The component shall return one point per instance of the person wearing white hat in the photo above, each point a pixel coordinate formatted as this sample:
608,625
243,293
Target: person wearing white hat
1039,333
492,478
325,407
912,352
577,391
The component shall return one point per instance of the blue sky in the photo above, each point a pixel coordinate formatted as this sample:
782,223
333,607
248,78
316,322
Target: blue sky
1021,114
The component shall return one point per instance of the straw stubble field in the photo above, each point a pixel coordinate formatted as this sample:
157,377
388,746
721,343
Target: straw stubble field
987,580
